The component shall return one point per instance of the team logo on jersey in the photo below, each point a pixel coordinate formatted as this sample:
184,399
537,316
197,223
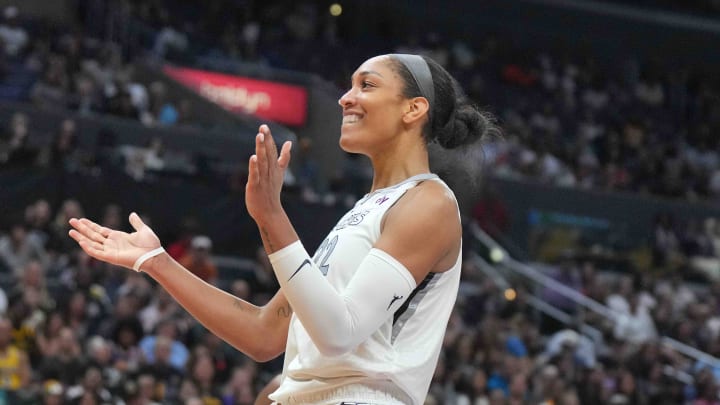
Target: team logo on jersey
353,218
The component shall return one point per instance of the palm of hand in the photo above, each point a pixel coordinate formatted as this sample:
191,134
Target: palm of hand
115,247
124,248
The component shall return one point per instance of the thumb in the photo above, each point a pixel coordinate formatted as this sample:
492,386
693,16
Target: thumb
136,222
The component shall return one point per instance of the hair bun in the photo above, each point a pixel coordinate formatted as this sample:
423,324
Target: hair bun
467,125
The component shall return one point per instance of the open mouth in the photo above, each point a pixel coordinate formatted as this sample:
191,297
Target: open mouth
351,119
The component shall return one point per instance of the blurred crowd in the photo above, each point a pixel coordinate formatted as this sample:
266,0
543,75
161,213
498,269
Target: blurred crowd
74,330
80,73
500,350
77,331
569,118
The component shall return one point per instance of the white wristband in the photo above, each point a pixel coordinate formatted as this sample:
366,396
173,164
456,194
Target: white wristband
142,259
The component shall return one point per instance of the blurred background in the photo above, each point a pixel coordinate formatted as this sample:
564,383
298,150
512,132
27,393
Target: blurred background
592,244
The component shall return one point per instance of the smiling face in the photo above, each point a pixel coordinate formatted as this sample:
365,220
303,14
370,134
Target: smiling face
373,108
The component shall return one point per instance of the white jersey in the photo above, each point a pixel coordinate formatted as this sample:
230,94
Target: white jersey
396,363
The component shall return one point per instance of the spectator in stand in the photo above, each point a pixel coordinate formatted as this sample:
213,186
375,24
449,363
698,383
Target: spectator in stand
240,389
48,335
19,247
68,363
15,150
14,364
189,227
224,357
86,99
126,336
201,369
123,314
12,35
148,388
90,389
160,366
38,216
636,324
53,393
198,259
665,241
162,306
63,153
169,40
99,354
178,353
31,280
51,91
121,105
68,209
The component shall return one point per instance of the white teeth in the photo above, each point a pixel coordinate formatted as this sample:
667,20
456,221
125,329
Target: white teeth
351,119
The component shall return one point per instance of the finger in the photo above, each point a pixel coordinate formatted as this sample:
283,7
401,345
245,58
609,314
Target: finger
136,222
80,238
91,230
81,227
284,159
95,250
270,147
90,247
101,230
253,171
260,153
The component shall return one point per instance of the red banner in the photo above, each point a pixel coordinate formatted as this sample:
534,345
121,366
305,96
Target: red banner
269,100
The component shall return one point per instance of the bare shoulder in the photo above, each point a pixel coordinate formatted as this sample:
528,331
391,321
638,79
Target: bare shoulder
422,230
429,199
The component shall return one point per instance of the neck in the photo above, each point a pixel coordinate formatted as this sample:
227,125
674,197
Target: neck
398,162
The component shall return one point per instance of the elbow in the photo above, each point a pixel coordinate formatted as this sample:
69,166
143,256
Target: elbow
260,350
332,350
263,355
334,337
334,347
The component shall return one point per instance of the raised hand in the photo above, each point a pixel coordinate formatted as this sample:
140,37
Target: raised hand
115,247
266,171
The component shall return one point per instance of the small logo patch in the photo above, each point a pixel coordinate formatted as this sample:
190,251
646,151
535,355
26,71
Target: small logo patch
381,200
395,298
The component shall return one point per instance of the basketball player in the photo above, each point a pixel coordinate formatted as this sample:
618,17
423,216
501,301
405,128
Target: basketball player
363,319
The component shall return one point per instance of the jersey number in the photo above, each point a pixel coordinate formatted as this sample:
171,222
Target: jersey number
324,251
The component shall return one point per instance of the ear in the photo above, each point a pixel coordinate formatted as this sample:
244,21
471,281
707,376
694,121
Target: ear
416,109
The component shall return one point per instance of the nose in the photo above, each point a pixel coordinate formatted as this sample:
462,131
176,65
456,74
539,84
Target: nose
347,99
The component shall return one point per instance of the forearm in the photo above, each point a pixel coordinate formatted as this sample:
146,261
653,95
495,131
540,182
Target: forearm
256,331
276,231
337,321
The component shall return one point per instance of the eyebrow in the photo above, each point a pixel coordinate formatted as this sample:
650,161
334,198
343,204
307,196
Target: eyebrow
368,72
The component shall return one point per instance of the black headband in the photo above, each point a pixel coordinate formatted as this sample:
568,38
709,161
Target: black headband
420,71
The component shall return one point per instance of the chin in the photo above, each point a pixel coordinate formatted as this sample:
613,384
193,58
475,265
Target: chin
347,144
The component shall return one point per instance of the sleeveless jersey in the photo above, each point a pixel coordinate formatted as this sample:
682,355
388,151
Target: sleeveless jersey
10,369
396,363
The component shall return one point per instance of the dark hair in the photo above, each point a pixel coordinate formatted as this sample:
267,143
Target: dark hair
453,120
455,131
